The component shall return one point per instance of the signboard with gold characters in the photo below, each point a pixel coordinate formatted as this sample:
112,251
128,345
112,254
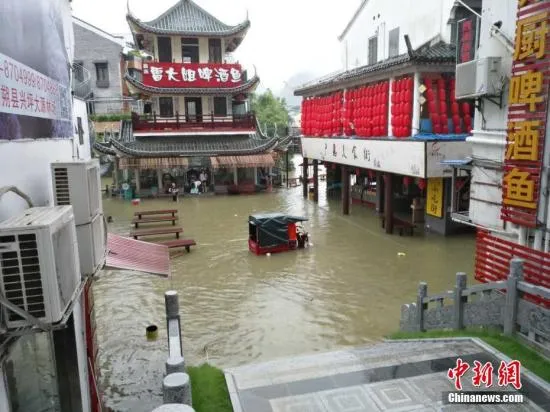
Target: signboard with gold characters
527,114
434,197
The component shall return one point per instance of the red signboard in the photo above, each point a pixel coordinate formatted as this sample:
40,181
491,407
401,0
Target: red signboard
190,75
528,105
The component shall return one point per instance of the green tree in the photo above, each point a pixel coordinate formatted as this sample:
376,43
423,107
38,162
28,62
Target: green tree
271,112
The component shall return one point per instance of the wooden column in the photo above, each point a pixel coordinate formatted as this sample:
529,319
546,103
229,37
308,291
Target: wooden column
159,180
115,172
315,180
235,176
287,167
388,202
345,190
379,193
305,177
138,182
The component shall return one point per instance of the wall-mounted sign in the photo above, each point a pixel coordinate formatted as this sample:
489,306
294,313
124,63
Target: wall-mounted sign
527,114
404,157
190,75
35,95
434,197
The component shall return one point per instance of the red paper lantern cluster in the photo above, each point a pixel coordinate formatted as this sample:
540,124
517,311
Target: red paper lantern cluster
466,124
321,116
366,109
401,109
436,95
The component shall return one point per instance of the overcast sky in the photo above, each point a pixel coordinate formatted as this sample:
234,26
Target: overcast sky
289,40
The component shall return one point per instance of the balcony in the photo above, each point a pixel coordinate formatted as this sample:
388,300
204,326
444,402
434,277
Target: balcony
193,123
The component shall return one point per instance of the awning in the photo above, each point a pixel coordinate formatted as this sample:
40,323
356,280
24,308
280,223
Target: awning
130,254
144,163
263,160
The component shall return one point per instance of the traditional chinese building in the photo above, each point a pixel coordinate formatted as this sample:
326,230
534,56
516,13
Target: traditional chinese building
509,196
196,114
384,125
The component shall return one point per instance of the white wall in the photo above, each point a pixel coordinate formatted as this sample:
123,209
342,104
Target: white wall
422,21
489,136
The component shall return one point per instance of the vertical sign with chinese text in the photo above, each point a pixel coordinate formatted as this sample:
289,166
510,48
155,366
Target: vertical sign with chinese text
434,197
527,111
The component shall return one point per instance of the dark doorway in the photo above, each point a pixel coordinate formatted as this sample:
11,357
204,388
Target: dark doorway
165,49
193,109
166,106
214,50
190,50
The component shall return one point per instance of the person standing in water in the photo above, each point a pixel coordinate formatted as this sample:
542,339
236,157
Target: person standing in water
174,190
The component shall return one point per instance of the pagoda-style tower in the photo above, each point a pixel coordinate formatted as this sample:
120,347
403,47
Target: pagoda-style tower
195,113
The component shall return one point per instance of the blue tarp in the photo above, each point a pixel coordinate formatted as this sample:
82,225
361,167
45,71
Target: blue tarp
431,136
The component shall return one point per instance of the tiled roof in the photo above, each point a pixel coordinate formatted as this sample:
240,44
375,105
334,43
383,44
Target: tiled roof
438,53
247,86
188,19
104,148
196,145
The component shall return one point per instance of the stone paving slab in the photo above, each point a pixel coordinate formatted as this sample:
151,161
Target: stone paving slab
391,376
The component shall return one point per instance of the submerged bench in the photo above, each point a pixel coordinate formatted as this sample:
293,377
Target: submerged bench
186,243
157,231
402,225
156,212
155,219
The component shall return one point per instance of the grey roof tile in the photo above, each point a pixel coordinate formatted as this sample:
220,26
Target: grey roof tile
438,53
188,18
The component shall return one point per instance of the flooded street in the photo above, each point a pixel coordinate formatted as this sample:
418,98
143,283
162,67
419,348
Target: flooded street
238,308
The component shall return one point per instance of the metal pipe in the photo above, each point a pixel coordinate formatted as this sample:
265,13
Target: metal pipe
522,236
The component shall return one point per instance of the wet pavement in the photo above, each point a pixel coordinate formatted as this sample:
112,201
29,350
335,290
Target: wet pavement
391,376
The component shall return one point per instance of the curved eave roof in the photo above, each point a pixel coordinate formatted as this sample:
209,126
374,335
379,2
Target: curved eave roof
187,18
246,87
104,148
195,147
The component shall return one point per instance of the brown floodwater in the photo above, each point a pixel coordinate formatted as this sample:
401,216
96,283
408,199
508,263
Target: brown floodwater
238,308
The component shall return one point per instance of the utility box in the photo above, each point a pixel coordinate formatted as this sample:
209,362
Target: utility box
478,78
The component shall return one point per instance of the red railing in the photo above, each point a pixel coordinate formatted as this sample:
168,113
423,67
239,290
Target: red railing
186,122
493,257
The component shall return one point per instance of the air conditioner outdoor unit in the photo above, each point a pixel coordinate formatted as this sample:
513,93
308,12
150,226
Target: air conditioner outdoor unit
91,245
39,264
78,184
477,78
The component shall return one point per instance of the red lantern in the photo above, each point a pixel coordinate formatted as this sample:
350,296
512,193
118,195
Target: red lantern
421,184
454,108
406,180
357,172
334,166
371,173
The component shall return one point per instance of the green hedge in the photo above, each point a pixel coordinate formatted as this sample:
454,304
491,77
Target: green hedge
110,117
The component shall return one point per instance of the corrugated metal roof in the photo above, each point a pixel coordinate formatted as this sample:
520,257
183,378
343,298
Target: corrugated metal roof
130,254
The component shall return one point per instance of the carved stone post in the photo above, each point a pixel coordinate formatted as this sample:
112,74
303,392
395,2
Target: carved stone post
512,296
459,300
421,306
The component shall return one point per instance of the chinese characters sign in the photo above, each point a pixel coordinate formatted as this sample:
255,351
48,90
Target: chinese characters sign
434,197
507,374
25,91
527,114
189,75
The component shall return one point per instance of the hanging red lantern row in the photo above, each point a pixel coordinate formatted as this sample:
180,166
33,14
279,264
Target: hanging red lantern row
401,109
321,116
367,110
421,184
455,113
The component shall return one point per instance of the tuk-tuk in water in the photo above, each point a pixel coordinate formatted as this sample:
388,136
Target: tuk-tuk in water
275,232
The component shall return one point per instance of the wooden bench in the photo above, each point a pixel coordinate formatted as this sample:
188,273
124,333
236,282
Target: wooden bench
157,231
156,212
402,225
186,243
156,219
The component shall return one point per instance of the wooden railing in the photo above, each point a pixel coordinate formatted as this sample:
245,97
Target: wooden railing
186,121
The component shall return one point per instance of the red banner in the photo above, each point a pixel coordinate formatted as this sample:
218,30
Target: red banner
189,75
528,105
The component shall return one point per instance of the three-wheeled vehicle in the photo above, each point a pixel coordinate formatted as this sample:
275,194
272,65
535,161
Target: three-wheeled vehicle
275,232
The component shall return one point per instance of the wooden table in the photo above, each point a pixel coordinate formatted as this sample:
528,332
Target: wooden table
156,212
155,219
157,231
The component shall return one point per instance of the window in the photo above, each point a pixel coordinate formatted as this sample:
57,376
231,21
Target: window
165,49
214,50
394,42
78,71
373,50
220,106
102,74
166,106
190,50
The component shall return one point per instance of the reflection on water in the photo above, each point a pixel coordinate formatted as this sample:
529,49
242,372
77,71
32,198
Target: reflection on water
237,308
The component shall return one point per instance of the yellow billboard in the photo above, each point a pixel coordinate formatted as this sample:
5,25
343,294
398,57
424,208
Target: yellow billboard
434,197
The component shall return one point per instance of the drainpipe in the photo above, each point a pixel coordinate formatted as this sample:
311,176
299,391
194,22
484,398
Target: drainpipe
416,105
